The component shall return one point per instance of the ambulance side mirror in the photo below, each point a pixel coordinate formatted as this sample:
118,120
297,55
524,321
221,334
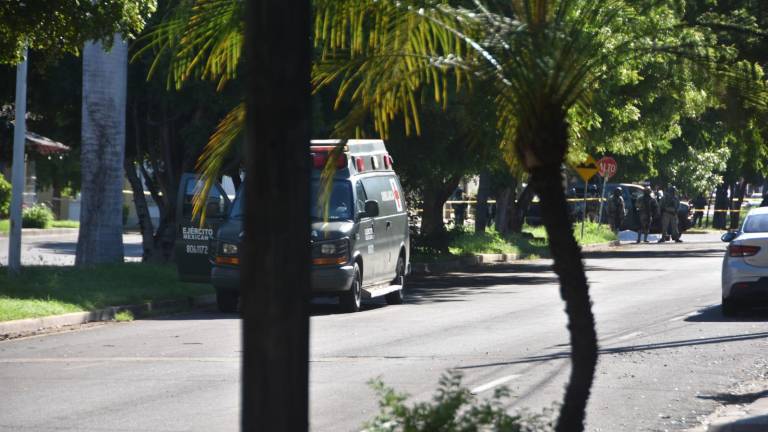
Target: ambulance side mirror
371,209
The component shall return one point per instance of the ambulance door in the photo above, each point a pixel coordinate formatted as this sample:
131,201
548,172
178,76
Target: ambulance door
365,239
192,239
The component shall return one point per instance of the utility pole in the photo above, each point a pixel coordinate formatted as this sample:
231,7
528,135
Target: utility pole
17,173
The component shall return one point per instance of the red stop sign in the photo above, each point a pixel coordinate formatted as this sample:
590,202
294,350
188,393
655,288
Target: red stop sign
607,166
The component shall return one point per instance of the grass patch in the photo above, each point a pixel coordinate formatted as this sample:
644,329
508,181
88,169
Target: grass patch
43,291
530,244
65,224
124,316
5,225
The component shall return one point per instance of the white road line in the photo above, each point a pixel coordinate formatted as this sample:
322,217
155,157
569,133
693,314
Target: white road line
678,318
494,383
629,336
117,359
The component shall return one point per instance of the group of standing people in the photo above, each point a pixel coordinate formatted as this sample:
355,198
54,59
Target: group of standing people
649,208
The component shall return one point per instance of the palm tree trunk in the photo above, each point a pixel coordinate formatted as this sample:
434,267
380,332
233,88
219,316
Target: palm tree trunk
102,153
574,290
275,279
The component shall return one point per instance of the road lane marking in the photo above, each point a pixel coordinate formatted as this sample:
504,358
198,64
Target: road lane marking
629,336
681,317
494,383
117,359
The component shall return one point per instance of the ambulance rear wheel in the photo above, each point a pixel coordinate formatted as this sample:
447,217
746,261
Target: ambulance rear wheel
351,299
227,300
396,297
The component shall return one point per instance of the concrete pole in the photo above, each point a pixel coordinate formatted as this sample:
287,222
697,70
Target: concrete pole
17,174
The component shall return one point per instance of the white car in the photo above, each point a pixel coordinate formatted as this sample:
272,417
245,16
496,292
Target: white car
745,266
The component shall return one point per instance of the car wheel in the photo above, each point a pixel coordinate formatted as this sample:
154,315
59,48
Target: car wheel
396,297
351,299
227,300
730,308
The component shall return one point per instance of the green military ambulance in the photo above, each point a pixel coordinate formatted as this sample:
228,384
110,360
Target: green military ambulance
359,247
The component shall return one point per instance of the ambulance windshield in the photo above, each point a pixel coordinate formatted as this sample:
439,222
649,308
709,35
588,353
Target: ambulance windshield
339,205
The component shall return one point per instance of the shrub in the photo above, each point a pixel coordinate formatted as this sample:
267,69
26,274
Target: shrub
5,197
37,216
453,409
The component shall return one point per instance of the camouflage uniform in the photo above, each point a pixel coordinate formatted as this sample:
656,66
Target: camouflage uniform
647,209
616,210
669,205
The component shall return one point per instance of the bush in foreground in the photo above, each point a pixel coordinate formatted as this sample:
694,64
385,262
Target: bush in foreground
37,216
453,408
5,197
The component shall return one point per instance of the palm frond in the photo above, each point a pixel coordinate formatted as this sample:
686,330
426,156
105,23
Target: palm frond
219,147
202,39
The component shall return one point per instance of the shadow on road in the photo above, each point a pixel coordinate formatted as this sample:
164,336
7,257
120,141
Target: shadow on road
732,399
460,287
715,314
631,348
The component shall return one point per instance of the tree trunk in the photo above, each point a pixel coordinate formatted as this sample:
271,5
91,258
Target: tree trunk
275,278
102,154
574,290
504,202
432,226
736,214
520,209
142,212
481,208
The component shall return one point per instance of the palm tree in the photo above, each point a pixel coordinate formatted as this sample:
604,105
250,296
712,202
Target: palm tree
102,153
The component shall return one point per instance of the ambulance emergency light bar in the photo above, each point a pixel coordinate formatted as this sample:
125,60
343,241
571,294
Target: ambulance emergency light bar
364,155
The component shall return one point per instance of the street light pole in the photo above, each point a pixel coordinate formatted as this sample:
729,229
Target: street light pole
17,173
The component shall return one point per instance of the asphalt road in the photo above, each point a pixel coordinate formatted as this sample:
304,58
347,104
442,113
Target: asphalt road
667,357
59,249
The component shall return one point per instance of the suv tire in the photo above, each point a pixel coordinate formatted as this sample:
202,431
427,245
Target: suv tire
729,307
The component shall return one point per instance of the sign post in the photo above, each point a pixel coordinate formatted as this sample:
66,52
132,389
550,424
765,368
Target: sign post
586,171
17,168
607,167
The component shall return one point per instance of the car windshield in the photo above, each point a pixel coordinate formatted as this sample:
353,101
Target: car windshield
339,205
756,224
237,210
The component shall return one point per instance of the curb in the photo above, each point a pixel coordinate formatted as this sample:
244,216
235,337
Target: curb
29,326
479,260
38,232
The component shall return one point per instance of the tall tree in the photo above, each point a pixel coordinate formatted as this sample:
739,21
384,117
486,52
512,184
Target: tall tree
275,271
102,153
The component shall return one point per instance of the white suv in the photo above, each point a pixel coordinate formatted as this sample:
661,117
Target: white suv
745,266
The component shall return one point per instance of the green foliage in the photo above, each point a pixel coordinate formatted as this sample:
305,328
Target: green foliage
202,40
124,316
65,25
41,291
5,197
453,408
37,216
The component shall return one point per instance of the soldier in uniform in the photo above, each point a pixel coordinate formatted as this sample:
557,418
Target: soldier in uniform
669,205
616,210
647,209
